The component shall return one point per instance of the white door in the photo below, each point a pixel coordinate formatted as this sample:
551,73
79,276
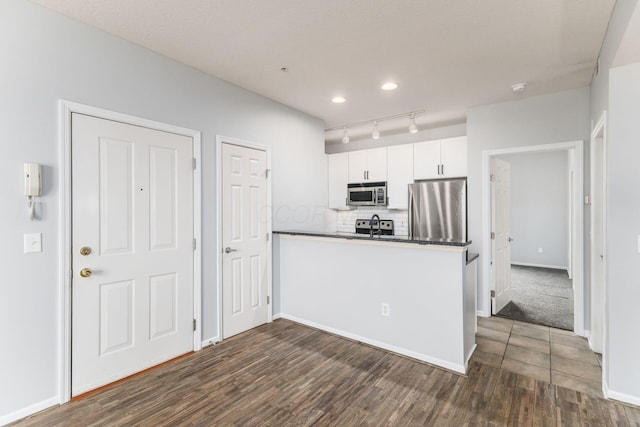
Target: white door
426,160
338,171
244,239
132,286
377,164
357,167
454,157
399,175
598,245
501,238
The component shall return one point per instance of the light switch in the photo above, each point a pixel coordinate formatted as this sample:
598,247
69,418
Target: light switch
32,243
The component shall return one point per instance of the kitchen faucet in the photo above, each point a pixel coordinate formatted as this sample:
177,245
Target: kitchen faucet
379,232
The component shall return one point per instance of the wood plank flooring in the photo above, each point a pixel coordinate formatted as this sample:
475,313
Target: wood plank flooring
286,374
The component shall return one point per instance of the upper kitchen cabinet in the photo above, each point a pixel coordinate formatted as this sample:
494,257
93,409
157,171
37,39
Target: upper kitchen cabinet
338,171
368,165
399,175
446,158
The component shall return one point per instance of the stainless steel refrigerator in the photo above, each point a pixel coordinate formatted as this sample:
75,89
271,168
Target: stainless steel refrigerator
438,210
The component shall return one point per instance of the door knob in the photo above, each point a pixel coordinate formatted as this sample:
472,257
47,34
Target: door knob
86,272
511,239
85,250
228,249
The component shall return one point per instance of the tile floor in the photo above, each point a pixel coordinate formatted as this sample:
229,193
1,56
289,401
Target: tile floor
547,354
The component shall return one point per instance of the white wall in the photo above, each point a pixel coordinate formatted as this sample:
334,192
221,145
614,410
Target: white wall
539,208
623,235
616,92
46,57
559,117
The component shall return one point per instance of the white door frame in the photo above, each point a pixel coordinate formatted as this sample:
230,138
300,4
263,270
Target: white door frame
600,129
577,241
220,139
65,109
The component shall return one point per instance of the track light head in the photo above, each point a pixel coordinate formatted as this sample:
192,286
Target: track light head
412,124
376,133
345,136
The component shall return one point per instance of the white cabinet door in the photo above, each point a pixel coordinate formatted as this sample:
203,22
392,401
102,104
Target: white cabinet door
446,158
357,166
426,160
377,164
338,171
453,156
399,175
368,165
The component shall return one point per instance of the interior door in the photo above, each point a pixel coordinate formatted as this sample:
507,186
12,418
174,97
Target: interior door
244,239
501,237
132,213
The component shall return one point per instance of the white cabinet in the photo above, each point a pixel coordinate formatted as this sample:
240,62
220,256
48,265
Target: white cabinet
368,165
399,175
338,172
446,158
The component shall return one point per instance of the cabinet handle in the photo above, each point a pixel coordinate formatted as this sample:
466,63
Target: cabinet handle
364,175
442,169
438,170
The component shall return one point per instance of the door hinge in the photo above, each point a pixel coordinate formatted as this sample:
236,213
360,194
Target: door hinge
492,177
493,294
194,244
194,324
267,237
266,173
493,235
193,164
268,299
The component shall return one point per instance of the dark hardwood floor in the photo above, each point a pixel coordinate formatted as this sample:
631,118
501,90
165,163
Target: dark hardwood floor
285,374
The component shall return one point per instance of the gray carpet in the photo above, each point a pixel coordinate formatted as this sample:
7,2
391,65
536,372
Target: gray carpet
542,296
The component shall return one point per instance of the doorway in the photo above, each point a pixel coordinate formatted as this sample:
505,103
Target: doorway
130,276
538,212
575,250
244,230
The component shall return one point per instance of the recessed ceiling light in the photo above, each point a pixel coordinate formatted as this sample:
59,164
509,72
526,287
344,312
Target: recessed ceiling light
389,86
338,99
518,87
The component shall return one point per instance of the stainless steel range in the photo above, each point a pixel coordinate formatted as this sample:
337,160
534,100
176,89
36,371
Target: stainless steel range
363,226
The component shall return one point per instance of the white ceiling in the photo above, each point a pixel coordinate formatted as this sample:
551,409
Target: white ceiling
446,55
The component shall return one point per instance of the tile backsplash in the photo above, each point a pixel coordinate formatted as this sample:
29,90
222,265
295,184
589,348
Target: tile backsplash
346,220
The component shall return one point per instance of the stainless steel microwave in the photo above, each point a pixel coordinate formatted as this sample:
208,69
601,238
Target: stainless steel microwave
367,194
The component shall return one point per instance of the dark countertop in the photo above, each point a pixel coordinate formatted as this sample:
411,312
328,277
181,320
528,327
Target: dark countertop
471,256
354,236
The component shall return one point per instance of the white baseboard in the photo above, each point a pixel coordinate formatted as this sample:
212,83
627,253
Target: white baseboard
209,341
622,397
276,316
482,313
29,410
454,367
553,267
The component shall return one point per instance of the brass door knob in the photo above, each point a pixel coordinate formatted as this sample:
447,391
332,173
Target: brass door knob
85,250
86,272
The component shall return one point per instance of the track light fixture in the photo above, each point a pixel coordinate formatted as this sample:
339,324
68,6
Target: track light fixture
345,136
412,124
376,133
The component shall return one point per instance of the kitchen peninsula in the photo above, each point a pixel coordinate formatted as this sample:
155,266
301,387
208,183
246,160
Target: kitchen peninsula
415,298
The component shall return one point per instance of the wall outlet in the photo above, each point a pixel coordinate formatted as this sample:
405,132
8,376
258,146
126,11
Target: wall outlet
540,250
384,308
